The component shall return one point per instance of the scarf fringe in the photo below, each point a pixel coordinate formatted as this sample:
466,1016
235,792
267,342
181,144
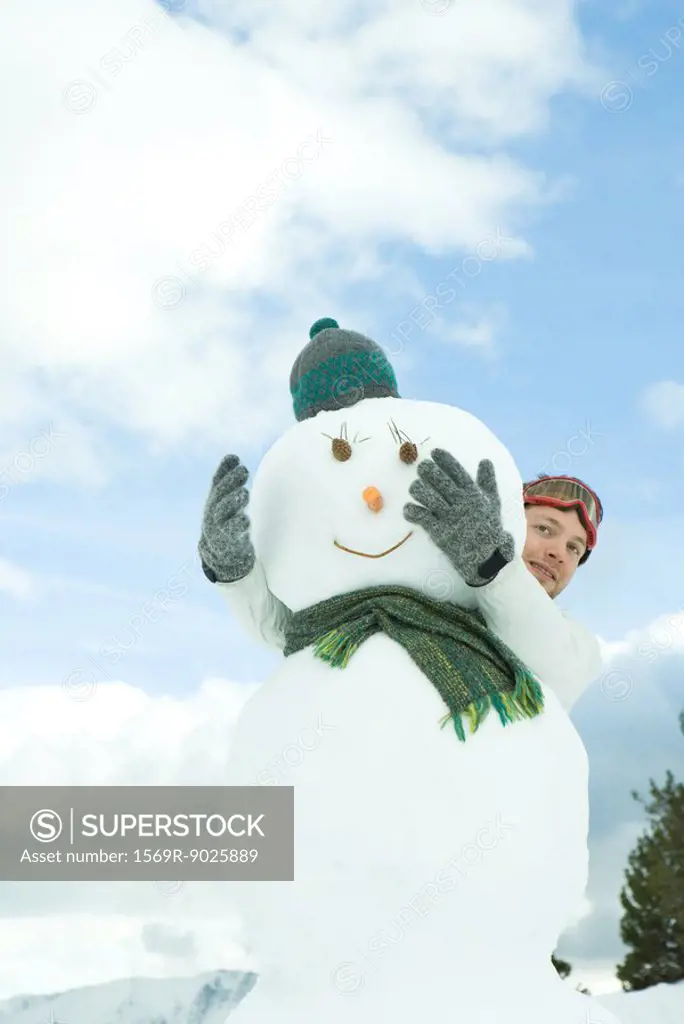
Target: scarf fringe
526,701
336,647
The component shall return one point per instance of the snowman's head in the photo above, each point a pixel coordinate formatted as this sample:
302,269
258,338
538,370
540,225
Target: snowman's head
327,501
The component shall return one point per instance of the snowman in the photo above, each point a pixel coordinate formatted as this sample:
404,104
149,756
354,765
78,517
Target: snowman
440,788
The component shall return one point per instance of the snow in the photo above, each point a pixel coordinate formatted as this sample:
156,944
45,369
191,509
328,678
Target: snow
212,998
425,868
206,999
660,1004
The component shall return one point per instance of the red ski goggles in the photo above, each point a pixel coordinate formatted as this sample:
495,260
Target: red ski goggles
567,492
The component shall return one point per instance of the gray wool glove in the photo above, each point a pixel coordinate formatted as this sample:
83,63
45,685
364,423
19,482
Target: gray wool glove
225,548
462,516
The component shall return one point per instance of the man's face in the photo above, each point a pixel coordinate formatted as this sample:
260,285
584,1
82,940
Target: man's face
556,540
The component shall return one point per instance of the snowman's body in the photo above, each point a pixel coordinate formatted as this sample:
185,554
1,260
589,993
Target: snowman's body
430,875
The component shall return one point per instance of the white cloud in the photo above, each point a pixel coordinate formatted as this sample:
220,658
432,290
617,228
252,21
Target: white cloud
114,734
478,335
51,735
135,142
15,581
478,332
611,648
664,403
663,634
167,941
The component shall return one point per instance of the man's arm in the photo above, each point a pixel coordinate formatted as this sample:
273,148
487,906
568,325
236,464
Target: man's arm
563,653
260,613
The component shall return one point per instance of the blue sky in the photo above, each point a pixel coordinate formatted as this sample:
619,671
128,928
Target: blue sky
557,350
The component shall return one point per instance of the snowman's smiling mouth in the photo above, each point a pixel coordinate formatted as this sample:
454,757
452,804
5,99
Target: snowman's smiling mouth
381,554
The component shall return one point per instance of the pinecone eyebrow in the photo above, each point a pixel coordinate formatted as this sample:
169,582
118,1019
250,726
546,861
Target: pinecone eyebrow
400,436
397,433
343,435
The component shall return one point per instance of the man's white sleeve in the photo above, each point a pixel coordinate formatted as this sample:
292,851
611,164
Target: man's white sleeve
261,614
562,653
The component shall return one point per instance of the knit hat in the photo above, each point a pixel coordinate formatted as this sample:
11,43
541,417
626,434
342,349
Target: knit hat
337,369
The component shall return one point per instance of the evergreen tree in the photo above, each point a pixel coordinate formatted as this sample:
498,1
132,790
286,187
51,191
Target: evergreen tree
653,895
565,970
562,966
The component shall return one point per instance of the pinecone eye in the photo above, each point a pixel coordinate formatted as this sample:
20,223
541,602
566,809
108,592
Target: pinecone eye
341,449
408,452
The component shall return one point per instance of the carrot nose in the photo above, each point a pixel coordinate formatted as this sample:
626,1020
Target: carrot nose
373,498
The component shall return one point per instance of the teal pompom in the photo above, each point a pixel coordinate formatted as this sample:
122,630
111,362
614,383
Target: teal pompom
321,325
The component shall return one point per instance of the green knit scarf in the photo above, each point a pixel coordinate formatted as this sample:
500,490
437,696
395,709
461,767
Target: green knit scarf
471,668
